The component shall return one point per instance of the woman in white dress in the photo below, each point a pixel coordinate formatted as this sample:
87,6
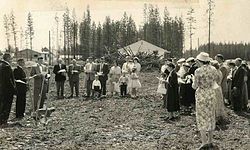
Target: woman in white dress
137,65
114,75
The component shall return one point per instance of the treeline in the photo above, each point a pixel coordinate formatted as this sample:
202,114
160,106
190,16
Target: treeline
96,39
228,50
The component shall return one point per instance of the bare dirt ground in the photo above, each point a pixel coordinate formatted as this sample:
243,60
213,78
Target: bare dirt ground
119,123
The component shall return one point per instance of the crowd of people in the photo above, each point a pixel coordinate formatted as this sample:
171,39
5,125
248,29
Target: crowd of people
122,81
200,85
205,86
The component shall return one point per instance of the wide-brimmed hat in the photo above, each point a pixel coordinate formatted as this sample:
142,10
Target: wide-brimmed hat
182,60
203,57
187,65
190,59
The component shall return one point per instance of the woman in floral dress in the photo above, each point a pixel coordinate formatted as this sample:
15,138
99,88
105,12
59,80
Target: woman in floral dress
204,78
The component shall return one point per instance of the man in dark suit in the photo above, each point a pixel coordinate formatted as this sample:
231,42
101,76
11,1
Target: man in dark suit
60,72
103,71
237,86
7,89
21,85
73,73
193,67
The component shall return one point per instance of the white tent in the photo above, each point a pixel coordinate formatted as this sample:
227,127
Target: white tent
142,46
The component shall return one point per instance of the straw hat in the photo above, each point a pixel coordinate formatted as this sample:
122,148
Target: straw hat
203,57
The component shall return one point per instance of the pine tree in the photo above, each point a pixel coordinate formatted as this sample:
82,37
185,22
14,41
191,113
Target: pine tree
13,26
99,41
30,31
7,31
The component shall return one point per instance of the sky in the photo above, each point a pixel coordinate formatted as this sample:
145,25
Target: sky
231,19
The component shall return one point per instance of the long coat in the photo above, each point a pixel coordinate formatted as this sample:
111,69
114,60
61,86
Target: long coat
237,88
59,76
38,81
7,84
172,92
7,90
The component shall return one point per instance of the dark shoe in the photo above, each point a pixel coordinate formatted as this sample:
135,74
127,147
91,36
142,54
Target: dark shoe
4,125
204,147
71,96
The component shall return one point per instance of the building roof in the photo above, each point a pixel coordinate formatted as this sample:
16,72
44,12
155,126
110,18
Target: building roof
23,50
143,46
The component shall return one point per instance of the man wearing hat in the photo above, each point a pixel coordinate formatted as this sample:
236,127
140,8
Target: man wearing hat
73,74
40,73
21,85
60,77
193,67
7,89
237,86
102,72
179,67
89,70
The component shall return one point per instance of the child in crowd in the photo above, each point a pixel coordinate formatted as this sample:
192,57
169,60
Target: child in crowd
96,87
134,83
123,81
161,85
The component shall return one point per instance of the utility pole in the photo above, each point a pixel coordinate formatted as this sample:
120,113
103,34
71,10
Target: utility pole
57,39
191,20
74,39
50,56
210,13
198,44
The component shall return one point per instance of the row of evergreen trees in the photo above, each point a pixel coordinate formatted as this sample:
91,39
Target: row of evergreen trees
100,39
228,50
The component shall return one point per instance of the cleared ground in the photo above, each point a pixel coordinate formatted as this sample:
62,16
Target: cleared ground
119,123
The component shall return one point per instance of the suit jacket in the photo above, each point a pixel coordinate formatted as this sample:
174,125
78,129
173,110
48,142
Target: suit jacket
104,70
90,75
192,69
7,84
238,78
59,76
19,74
73,76
35,70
